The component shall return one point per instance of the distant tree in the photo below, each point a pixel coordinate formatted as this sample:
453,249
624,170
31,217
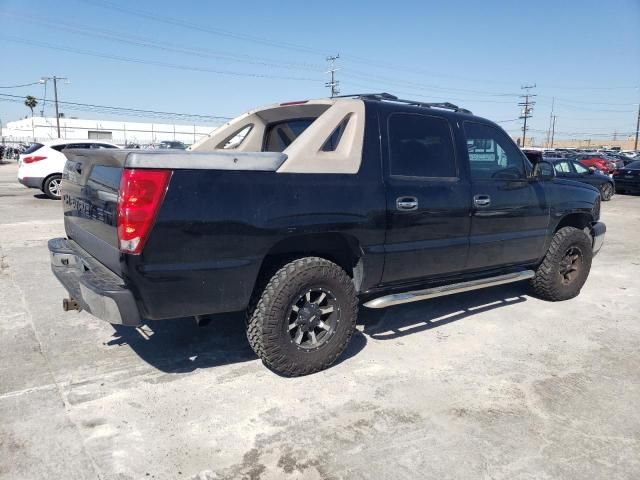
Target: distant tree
31,102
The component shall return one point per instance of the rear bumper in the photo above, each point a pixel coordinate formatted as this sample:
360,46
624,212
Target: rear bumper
598,230
31,182
97,289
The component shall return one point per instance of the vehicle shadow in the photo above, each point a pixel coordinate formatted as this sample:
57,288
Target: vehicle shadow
181,346
407,319
42,196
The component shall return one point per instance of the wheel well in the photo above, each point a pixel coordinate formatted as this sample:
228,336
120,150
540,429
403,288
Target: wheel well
577,220
343,250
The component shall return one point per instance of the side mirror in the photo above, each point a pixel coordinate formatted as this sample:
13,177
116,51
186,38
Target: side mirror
592,170
544,170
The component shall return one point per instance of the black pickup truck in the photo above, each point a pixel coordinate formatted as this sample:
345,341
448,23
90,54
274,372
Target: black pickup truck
298,212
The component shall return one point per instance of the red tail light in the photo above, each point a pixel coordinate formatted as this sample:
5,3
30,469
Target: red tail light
140,197
616,173
33,158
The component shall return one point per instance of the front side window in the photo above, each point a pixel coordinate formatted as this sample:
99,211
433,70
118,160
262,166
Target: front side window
492,155
421,146
282,134
563,167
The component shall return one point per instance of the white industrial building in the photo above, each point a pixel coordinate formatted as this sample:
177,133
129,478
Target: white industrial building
44,128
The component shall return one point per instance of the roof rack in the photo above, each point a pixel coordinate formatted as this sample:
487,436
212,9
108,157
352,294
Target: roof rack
392,98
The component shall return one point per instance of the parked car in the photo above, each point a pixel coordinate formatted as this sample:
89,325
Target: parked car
296,212
628,178
599,161
41,165
574,170
171,145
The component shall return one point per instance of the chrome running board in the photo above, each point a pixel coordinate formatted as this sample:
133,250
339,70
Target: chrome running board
417,295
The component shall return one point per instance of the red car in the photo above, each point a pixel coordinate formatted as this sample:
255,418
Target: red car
597,161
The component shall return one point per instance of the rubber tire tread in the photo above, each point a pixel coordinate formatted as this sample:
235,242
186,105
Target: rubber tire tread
546,283
265,313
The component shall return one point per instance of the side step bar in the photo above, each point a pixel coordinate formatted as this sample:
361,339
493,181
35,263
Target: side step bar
417,295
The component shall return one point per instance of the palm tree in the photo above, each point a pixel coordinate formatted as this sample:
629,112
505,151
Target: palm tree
31,102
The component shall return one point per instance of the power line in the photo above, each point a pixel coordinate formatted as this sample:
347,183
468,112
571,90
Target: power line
163,46
154,63
124,110
23,85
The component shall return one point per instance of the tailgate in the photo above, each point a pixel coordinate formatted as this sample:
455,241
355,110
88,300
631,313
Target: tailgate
90,183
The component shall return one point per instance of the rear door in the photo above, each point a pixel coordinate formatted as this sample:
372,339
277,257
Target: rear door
427,196
509,214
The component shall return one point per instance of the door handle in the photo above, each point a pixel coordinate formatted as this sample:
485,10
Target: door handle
406,204
482,200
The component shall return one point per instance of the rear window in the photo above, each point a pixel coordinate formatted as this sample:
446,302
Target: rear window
33,147
282,134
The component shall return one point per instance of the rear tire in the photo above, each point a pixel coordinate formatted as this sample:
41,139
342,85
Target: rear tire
565,267
304,317
606,192
51,186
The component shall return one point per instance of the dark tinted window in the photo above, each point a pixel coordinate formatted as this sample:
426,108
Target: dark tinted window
420,146
76,145
102,145
32,148
282,134
634,165
492,154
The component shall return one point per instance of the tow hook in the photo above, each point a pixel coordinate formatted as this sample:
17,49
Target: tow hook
70,304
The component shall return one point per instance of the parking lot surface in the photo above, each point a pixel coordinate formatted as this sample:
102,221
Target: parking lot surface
492,384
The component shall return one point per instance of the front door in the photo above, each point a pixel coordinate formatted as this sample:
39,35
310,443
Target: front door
510,216
428,199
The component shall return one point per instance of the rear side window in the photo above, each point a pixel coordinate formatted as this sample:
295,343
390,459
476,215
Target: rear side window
579,167
420,146
492,155
282,134
32,148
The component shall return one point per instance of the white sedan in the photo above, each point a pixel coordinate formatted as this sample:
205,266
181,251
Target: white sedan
41,165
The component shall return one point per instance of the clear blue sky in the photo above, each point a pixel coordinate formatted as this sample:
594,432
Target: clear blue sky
586,53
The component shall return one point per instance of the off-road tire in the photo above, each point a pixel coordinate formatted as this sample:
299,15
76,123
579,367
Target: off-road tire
548,282
606,192
267,318
48,186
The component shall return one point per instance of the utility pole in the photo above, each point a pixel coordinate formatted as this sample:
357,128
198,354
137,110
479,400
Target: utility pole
553,130
333,84
553,99
528,108
55,95
635,146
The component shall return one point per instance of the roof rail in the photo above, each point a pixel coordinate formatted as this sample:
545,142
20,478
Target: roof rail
392,98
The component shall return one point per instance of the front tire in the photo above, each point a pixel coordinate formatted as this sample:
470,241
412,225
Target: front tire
565,267
51,186
606,192
304,317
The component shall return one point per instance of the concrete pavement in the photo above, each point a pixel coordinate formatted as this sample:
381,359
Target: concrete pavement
492,384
